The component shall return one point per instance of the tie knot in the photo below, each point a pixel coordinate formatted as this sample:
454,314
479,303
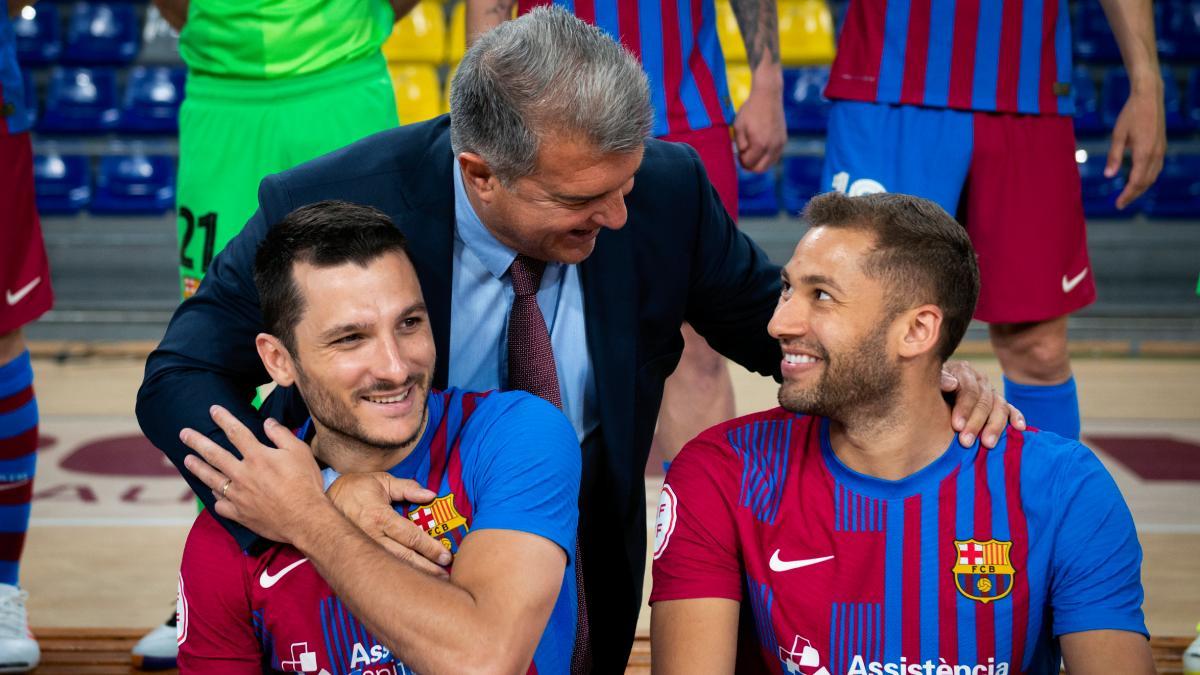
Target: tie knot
526,275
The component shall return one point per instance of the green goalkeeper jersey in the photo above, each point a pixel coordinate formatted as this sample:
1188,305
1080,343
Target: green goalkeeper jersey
268,39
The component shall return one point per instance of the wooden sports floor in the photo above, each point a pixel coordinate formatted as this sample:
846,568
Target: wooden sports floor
110,513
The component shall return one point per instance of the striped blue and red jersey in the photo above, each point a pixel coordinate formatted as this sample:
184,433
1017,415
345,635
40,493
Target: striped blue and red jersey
496,460
1012,56
975,564
676,42
13,117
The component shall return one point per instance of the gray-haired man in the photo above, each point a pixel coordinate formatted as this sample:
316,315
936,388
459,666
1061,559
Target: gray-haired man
541,196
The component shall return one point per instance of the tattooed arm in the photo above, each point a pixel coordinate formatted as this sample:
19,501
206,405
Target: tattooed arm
759,129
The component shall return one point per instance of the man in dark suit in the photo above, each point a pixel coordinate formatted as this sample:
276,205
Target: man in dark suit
543,164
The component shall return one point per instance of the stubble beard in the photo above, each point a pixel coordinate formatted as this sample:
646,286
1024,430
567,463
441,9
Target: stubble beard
859,383
339,422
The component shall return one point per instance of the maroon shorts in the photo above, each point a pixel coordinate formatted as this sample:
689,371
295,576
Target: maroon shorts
24,270
716,151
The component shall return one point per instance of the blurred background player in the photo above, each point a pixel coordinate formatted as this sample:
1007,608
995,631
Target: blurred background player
969,104
678,48
270,85
25,278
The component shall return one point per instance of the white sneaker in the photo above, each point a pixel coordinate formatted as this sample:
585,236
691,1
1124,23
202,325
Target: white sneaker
158,649
19,652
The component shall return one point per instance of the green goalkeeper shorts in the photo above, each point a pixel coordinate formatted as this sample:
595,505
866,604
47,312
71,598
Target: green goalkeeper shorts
233,133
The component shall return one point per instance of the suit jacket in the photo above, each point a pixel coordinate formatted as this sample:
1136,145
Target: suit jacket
679,257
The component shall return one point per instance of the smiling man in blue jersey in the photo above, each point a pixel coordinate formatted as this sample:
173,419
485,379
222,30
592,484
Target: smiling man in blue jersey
488,476
861,537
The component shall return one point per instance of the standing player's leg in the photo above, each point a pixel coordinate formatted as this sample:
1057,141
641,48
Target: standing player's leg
1025,217
25,276
699,394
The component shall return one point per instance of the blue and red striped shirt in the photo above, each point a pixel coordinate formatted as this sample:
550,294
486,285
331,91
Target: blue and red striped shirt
978,561
676,41
496,460
986,55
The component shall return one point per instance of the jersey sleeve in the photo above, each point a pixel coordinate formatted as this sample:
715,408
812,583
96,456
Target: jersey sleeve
216,634
696,550
1096,582
526,471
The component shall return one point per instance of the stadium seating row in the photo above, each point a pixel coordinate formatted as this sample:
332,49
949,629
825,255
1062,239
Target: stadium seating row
139,184
123,184
108,33
85,100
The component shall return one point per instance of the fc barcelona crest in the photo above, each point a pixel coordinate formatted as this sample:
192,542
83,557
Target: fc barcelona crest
439,518
983,571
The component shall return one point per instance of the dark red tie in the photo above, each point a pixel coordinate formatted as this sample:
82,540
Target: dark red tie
531,368
530,356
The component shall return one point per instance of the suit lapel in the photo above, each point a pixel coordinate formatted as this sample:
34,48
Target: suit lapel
429,226
608,304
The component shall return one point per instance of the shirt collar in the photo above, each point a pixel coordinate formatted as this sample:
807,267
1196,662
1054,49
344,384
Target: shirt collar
496,257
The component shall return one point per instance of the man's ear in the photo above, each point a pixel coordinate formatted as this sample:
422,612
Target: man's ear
478,176
276,358
921,331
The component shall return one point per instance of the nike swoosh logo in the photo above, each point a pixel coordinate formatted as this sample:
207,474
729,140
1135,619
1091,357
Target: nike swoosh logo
1070,284
778,565
268,580
14,298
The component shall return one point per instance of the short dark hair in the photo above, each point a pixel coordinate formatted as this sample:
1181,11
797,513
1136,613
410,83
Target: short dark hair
324,234
921,254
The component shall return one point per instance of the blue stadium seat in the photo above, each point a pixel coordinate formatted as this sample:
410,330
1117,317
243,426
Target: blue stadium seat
152,99
63,183
1176,193
81,100
1094,41
39,35
1178,23
1100,193
756,193
804,107
801,181
102,33
1087,105
1116,91
135,184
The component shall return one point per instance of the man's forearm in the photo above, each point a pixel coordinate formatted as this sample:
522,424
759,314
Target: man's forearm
1132,23
431,624
758,20
484,15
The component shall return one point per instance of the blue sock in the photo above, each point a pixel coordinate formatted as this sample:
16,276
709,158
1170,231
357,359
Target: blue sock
1053,408
18,457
